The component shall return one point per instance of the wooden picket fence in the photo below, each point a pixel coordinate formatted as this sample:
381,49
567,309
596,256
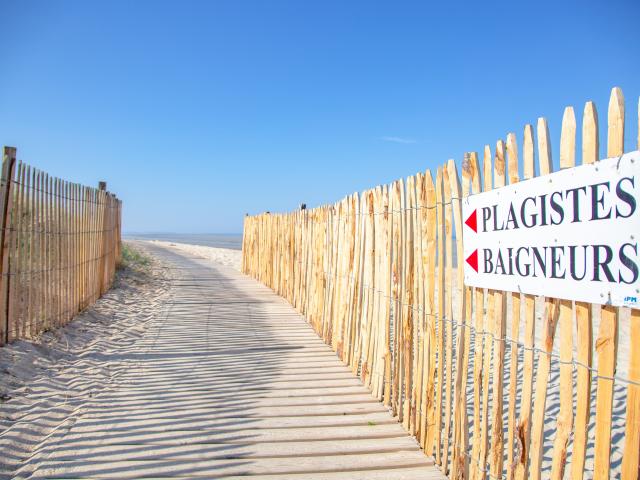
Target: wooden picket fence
379,277
59,246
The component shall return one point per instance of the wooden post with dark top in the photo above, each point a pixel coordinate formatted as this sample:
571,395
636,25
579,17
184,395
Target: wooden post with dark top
8,168
102,202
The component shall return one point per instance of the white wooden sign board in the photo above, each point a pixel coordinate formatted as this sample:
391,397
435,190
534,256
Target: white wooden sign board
572,234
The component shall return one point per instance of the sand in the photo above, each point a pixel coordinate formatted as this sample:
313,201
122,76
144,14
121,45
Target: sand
46,382
221,256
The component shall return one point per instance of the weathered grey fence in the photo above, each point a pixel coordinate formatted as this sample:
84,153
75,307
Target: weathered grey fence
59,245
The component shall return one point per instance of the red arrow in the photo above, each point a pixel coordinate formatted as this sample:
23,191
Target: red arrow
472,221
473,260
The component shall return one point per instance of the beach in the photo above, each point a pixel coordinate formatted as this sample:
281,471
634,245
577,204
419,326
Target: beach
177,373
222,256
49,380
231,241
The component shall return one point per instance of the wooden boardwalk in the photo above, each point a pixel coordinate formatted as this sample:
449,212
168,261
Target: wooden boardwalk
231,382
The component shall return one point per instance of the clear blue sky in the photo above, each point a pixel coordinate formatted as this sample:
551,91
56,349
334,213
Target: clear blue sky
197,112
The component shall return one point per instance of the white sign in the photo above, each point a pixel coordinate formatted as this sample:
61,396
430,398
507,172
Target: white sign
571,234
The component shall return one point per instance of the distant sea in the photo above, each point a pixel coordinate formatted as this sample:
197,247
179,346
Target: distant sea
219,240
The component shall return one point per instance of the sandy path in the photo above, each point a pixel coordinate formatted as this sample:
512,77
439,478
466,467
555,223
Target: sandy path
217,256
225,380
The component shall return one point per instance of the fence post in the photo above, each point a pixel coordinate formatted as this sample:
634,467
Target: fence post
8,169
102,204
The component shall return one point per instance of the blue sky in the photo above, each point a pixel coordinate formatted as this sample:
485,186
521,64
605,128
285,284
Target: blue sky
197,112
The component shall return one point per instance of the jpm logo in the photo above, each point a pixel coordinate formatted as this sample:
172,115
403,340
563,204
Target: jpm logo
631,299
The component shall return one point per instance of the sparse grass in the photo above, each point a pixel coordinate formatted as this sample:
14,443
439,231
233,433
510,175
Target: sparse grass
134,259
